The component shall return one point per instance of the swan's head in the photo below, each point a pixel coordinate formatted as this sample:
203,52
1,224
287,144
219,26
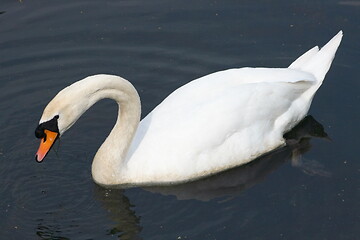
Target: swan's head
71,102
59,115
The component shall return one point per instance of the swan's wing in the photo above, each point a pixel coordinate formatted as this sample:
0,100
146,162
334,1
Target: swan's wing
218,121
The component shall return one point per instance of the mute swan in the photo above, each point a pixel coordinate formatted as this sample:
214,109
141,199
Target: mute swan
211,124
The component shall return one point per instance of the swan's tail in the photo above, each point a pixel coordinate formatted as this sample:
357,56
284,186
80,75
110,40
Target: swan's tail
317,61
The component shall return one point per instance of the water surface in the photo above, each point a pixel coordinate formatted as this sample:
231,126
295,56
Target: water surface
159,46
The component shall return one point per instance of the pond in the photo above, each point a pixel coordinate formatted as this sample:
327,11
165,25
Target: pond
158,46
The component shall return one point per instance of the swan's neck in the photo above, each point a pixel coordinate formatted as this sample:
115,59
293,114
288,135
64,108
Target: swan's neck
109,161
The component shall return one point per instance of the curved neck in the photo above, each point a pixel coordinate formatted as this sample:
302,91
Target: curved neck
109,159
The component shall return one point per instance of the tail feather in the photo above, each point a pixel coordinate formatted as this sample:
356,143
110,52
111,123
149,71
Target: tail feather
318,62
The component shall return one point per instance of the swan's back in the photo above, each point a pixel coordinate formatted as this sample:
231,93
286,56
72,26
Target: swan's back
225,119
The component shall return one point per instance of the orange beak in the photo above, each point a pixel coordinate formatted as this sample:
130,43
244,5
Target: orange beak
46,144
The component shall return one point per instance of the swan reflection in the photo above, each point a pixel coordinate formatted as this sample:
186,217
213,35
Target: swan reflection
118,207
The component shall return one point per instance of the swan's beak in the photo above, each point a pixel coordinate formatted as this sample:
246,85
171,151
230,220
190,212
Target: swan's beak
46,144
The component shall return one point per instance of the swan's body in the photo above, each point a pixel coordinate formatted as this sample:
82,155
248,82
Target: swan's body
213,123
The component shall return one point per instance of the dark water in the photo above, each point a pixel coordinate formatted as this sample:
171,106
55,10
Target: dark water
158,46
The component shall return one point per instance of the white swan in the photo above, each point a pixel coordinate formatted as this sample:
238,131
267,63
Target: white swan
213,123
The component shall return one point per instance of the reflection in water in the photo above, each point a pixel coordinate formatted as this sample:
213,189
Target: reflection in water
118,207
233,181
49,232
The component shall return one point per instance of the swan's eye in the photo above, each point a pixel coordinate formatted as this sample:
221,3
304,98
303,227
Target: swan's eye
39,132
